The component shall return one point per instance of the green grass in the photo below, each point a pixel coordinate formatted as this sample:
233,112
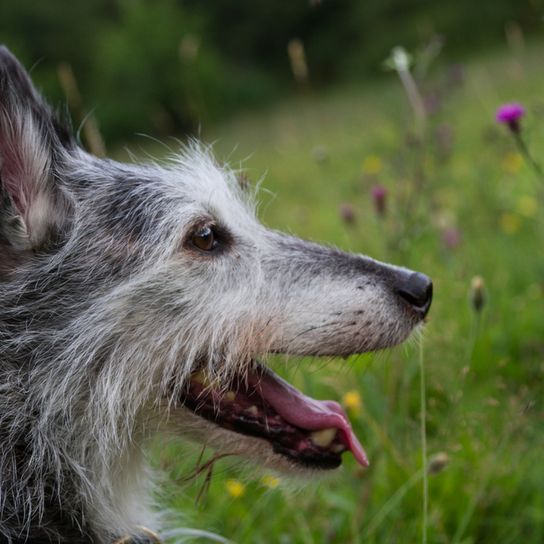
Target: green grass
483,384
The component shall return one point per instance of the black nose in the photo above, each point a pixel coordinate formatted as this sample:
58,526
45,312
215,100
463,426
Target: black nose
417,290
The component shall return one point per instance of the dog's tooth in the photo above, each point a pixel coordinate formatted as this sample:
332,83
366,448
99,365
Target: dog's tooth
253,410
338,448
230,396
324,437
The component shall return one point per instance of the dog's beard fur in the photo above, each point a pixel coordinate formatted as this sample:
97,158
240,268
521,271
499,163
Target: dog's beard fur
106,309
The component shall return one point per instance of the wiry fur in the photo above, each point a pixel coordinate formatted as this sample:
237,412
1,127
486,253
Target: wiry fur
106,309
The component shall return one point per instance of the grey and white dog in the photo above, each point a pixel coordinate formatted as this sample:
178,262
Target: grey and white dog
139,298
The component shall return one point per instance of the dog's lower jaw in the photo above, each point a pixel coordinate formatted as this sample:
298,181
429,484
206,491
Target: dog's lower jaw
246,449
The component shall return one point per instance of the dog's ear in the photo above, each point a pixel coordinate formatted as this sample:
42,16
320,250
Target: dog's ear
32,143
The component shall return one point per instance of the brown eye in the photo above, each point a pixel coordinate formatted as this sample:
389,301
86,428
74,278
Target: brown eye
204,239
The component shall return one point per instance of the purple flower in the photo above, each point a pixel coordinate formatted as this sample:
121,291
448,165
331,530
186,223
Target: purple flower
510,114
347,213
379,198
451,237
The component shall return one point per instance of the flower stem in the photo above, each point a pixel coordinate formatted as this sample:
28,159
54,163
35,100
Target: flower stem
524,150
415,100
423,403
401,64
475,334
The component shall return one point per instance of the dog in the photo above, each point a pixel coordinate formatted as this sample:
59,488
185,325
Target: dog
137,299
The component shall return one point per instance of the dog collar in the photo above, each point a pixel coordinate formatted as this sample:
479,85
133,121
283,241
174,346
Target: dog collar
143,536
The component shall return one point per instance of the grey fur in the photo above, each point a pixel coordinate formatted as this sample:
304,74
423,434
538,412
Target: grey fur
106,308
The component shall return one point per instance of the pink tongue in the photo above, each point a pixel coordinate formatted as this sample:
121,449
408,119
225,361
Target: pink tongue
307,413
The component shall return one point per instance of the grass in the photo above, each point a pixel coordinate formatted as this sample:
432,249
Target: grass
484,375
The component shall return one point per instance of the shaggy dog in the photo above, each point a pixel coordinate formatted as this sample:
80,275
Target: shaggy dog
138,298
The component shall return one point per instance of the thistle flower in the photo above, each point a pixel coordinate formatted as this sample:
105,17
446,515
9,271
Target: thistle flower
451,237
347,213
510,115
438,463
477,293
379,198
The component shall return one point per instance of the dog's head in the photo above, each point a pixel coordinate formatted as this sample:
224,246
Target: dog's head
156,288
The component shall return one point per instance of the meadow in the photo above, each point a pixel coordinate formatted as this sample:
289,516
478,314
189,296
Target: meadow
460,203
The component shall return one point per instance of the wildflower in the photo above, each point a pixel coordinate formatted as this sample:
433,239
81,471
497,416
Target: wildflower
372,165
235,488
347,213
352,401
512,162
510,115
379,198
510,223
438,462
527,206
477,293
451,237
399,60
270,481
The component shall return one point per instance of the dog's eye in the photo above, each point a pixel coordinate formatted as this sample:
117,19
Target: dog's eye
204,239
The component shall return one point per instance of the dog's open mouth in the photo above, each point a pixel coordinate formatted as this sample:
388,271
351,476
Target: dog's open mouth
312,433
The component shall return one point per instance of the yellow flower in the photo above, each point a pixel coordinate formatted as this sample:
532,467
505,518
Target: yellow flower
270,481
352,401
372,165
527,206
235,488
510,223
512,162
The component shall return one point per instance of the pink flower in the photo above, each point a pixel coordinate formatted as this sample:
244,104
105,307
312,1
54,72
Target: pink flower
347,213
379,198
510,114
451,237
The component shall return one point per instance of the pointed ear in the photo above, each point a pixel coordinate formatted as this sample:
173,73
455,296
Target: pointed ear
32,143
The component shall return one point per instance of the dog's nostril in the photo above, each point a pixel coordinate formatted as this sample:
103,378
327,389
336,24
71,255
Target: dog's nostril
416,289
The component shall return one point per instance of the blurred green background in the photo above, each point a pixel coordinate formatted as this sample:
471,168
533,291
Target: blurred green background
296,93
171,65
